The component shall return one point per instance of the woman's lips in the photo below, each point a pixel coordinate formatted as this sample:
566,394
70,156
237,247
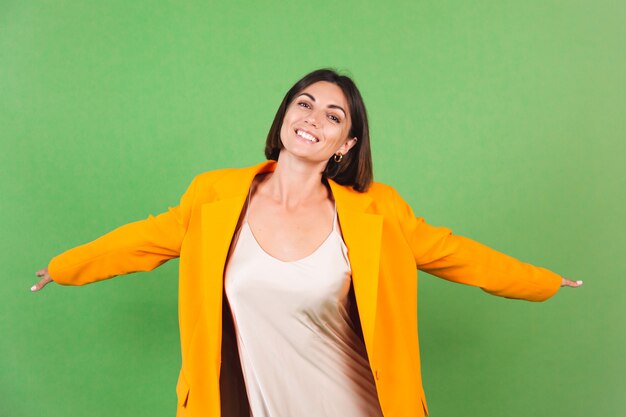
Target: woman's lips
307,136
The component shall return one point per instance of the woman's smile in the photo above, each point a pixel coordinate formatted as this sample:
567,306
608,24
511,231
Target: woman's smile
307,136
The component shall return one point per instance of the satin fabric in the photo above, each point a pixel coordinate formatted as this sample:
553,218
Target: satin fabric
299,352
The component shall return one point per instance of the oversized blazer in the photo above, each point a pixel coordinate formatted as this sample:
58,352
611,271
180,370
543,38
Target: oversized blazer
386,243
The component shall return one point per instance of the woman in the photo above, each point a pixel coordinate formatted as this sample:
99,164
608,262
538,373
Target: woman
297,289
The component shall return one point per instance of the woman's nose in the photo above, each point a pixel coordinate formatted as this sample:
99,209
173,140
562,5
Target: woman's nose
312,118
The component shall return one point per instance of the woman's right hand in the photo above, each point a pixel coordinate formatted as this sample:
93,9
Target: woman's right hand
45,280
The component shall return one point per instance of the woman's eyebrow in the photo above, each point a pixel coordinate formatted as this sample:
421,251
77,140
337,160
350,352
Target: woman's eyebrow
330,106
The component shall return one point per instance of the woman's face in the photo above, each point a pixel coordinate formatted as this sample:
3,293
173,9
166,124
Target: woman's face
317,123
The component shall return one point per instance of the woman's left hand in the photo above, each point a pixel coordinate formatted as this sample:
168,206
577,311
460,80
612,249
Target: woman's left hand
567,283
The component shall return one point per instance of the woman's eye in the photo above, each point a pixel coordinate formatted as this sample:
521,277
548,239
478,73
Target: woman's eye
304,104
334,118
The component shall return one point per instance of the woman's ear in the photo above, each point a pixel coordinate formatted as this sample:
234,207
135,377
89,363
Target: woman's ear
347,146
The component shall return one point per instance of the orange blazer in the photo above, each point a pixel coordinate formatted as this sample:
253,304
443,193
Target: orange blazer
386,244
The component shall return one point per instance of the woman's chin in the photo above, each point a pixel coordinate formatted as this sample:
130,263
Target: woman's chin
301,156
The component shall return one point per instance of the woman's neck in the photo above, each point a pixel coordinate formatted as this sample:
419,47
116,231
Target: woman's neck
294,183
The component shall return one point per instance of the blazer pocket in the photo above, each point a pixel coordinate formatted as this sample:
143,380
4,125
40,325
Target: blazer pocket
182,390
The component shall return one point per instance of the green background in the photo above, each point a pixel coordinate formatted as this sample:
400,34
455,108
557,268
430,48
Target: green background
503,120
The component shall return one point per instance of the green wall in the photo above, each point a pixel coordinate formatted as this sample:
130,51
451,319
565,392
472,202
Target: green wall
503,120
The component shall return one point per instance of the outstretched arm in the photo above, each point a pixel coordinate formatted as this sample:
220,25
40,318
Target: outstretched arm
134,247
459,259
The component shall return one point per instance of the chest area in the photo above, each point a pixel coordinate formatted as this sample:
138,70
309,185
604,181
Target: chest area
308,284
290,234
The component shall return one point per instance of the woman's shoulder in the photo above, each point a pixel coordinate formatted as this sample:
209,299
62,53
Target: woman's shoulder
231,174
382,192
381,197
387,201
380,188
214,175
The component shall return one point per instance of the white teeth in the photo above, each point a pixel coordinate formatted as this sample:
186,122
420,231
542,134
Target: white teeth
307,136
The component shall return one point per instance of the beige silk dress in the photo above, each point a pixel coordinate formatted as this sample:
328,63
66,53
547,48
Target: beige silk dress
299,352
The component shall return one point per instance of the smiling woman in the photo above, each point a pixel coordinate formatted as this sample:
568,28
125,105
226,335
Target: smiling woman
341,94
297,289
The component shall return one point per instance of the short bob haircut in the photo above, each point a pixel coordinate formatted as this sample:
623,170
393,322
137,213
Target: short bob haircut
355,169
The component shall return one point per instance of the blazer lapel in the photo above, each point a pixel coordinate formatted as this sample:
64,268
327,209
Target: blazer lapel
218,222
220,217
362,233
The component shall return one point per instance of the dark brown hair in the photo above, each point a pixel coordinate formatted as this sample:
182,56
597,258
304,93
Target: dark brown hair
355,169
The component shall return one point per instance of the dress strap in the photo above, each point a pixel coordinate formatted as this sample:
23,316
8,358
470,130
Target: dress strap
245,218
335,218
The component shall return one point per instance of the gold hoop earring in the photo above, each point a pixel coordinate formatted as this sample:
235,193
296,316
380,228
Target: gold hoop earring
338,157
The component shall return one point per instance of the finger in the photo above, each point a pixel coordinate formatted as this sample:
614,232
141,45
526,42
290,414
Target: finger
569,283
41,272
42,283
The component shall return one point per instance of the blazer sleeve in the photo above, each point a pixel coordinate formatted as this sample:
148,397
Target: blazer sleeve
139,246
459,259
